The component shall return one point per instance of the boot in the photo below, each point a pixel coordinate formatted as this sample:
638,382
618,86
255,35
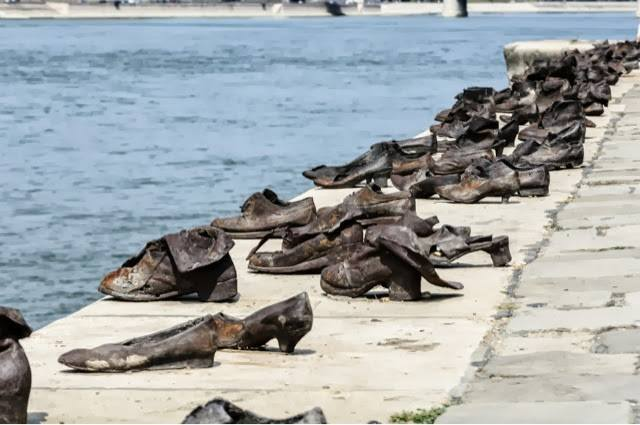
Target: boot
192,261
287,321
264,213
311,255
189,345
221,411
15,372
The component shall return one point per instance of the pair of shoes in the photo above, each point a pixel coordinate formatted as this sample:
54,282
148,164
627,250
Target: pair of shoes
221,411
193,344
15,373
263,213
564,149
178,264
374,165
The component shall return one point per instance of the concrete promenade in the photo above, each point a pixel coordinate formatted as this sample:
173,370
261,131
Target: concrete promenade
366,359
569,352
64,10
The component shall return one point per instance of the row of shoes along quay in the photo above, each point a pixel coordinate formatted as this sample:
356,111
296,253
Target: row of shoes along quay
379,291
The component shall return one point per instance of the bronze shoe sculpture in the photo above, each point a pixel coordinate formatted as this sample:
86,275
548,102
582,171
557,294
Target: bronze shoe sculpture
455,160
264,213
562,150
189,345
365,204
309,256
393,258
555,119
221,411
534,181
474,186
287,321
191,261
15,373
374,166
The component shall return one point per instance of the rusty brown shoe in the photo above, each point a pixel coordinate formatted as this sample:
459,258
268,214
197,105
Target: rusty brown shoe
15,372
189,345
264,213
473,187
191,261
287,321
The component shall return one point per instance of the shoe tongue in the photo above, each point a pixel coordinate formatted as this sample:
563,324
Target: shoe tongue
199,247
12,324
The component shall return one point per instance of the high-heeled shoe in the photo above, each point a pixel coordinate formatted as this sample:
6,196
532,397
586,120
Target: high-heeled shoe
189,345
15,372
287,321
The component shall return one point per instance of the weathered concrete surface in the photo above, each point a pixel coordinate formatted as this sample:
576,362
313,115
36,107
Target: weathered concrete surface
364,359
569,352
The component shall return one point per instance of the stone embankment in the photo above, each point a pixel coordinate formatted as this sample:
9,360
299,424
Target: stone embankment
64,10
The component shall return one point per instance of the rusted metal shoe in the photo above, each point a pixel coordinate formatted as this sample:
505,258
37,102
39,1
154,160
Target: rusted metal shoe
287,321
426,188
455,160
191,261
450,243
189,345
374,166
365,204
534,181
309,256
221,411
474,187
555,119
264,213
562,150
393,258
15,372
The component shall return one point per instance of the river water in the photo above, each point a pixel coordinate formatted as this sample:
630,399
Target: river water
116,132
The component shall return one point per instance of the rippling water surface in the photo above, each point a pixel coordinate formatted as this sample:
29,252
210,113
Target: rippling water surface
115,132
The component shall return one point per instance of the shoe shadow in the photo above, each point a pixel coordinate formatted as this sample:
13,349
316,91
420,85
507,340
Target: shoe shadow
37,417
83,372
275,350
426,296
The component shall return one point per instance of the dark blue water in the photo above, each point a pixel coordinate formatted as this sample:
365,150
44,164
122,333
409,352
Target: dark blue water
115,132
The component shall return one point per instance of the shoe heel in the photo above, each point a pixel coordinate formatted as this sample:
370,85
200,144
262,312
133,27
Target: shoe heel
499,251
403,289
505,198
287,343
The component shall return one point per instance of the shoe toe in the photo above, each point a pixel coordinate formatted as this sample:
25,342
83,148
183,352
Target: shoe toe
82,359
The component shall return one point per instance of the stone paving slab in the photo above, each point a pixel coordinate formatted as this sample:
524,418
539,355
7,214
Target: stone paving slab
586,412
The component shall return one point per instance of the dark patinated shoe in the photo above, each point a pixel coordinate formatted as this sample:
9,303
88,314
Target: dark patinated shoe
450,243
405,167
287,321
555,119
189,345
263,213
309,256
474,187
367,203
534,181
427,187
191,261
221,411
564,149
455,160
15,373
376,165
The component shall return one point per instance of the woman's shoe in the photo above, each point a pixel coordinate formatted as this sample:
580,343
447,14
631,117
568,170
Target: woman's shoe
473,188
221,411
264,213
192,261
287,321
189,345
15,372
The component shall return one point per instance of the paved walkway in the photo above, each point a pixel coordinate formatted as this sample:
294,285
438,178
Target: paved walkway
570,351
366,359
